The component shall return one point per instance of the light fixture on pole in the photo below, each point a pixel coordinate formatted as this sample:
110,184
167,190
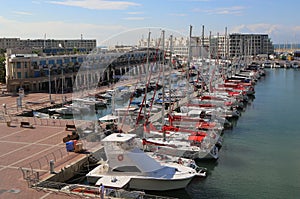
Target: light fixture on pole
49,70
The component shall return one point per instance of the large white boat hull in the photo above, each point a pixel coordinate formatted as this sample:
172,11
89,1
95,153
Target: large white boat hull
158,184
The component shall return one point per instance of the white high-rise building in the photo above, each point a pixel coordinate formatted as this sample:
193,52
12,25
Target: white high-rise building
219,46
249,44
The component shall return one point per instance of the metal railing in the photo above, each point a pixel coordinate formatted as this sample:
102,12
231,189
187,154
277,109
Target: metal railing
32,171
84,191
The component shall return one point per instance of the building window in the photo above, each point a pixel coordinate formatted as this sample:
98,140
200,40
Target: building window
74,59
18,64
19,75
51,62
43,62
34,65
59,61
66,60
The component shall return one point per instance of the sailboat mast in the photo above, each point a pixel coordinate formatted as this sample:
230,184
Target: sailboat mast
163,80
189,62
170,68
62,86
202,37
209,63
146,76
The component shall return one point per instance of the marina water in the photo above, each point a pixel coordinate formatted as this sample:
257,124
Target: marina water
260,157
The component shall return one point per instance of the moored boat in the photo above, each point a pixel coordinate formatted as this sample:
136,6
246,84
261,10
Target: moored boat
130,167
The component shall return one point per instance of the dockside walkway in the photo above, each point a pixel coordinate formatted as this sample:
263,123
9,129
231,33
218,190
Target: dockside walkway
26,153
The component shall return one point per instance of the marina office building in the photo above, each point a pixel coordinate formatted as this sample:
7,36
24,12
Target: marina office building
34,73
29,62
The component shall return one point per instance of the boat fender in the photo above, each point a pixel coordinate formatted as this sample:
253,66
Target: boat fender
180,161
160,157
195,148
120,157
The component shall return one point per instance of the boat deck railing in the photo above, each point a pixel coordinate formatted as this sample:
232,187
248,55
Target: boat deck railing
87,191
157,116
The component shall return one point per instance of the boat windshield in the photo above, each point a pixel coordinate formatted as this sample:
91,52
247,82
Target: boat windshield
126,169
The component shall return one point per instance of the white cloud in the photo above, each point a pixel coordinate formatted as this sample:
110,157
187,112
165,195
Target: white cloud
178,14
235,10
268,28
135,13
22,13
257,28
104,34
36,2
56,30
199,0
134,18
97,4
192,0
279,33
297,28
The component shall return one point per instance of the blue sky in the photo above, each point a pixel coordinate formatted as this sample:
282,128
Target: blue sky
102,19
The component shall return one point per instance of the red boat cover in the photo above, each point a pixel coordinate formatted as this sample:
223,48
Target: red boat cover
196,138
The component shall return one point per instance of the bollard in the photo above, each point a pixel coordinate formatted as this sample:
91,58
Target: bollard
52,166
4,107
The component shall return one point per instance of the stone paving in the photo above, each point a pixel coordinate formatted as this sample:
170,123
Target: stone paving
30,148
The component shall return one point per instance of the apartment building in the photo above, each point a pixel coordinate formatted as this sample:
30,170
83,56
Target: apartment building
50,46
219,46
31,71
6,43
249,44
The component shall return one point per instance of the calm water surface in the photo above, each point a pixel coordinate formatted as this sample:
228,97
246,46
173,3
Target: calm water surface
260,157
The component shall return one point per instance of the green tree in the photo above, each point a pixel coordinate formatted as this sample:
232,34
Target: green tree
2,68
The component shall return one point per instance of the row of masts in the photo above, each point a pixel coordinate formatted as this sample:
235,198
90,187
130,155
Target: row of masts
169,64
148,75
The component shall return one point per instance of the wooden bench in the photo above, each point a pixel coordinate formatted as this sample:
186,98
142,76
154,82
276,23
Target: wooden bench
70,127
26,125
73,136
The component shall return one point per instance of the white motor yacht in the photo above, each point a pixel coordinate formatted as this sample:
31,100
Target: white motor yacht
129,167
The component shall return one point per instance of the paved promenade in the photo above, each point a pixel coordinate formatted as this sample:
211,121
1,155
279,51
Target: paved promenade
23,150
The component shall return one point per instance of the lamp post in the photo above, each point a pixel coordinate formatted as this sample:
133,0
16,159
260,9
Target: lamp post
62,85
49,69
